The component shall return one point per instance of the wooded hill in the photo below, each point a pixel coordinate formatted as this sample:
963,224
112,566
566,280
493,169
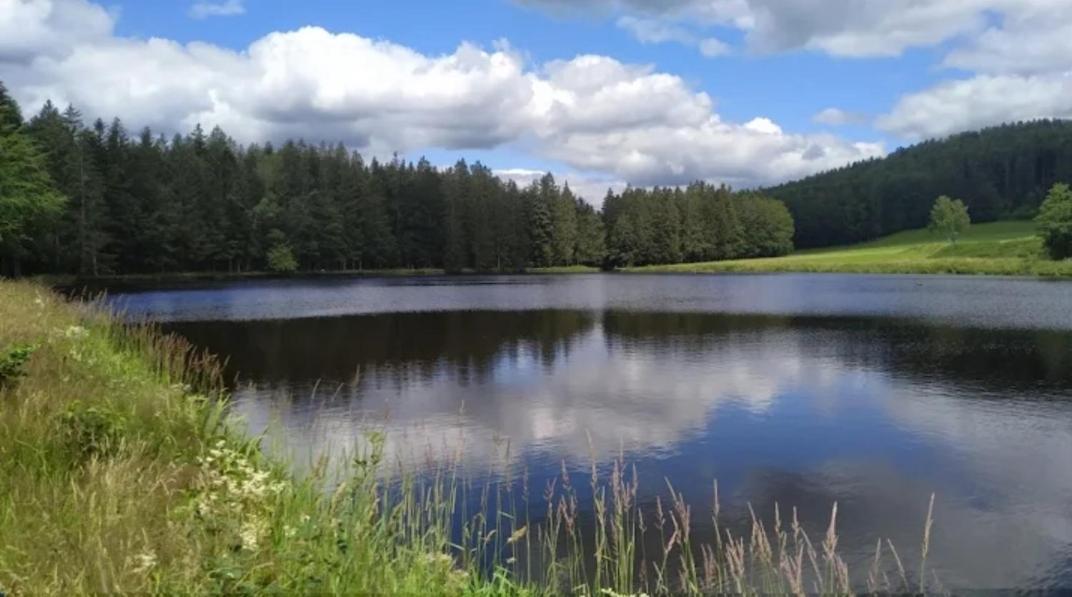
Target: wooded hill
999,172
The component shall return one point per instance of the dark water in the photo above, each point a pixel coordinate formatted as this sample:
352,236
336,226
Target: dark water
872,391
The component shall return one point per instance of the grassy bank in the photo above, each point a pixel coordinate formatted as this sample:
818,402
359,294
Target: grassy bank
998,248
119,472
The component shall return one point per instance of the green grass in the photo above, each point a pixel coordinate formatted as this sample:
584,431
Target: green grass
120,472
998,248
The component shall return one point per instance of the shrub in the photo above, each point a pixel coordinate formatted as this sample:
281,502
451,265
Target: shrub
88,431
281,259
13,364
1055,222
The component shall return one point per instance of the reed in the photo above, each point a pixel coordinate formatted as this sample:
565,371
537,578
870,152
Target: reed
122,471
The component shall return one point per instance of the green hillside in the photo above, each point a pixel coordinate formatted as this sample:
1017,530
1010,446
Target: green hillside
1003,248
1000,173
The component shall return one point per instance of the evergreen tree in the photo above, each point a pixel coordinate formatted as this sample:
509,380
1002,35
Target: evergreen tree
538,199
591,236
10,113
456,191
197,201
724,227
28,199
563,227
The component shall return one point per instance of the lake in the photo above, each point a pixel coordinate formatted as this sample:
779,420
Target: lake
801,390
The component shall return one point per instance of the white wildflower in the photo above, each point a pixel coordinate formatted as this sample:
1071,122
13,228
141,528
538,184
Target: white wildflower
250,535
144,562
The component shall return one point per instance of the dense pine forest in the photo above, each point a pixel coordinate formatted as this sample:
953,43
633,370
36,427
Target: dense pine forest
143,203
999,172
96,200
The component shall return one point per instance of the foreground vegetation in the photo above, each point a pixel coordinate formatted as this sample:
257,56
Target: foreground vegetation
997,248
121,473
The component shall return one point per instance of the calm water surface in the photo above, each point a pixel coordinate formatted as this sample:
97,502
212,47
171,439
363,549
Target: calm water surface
872,391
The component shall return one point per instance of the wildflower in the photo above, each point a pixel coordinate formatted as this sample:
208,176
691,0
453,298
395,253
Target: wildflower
75,332
250,535
144,562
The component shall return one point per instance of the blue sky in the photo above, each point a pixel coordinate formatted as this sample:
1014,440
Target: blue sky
601,91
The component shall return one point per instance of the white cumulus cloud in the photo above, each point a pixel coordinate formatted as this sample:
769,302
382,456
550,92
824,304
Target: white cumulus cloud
980,101
1022,70
593,114
1014,56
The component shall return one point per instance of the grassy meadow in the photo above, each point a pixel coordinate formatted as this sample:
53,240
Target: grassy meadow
996,248
121,472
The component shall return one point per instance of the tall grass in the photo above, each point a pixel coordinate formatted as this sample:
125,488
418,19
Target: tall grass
120,471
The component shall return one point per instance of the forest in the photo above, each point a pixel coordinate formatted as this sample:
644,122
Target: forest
201,202
98,200
1001,172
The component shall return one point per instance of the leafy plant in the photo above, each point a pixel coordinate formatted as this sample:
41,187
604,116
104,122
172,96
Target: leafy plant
91,431
13,364
281,259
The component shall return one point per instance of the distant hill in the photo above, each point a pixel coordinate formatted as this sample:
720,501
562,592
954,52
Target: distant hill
999,172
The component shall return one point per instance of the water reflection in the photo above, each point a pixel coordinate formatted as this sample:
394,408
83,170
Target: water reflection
875,413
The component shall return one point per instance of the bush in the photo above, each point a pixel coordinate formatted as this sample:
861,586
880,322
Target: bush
13,364
281,259
91,431
1055,222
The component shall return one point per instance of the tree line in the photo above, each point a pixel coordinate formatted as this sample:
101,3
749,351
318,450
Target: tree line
1000,172
701,222
144,203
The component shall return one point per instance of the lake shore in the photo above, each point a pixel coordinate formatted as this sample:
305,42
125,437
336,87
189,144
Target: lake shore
123,472
120,472
996,249
195,278
802,264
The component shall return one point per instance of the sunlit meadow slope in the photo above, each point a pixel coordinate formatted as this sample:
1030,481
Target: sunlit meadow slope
999,248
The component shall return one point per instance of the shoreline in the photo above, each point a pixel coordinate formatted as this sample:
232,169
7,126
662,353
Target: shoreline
932,267
793,264
116,443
